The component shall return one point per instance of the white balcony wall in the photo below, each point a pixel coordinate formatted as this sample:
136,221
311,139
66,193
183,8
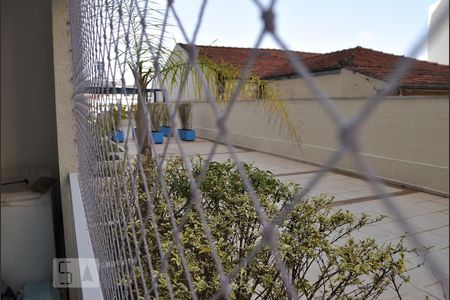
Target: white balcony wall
438,43
406,139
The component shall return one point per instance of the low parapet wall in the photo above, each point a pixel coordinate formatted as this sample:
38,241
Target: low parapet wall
406,139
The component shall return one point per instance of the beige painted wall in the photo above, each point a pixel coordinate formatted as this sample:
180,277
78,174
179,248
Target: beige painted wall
28,123
406,139
341,83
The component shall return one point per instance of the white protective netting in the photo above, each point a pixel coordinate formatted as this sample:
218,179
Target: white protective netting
125,203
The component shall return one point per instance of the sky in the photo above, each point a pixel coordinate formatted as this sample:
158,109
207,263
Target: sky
320,26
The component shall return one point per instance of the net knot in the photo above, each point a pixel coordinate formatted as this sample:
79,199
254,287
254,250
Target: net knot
192,51
225,283
347,134
269,235
221,123
269,20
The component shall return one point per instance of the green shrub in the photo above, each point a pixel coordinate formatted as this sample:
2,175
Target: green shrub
315,241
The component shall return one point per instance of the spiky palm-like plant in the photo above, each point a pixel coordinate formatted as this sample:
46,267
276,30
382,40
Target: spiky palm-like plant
184,115
222,80
156,112
165,115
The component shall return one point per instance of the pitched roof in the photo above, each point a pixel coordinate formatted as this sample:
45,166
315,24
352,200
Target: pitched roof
266,63
375,64
271,63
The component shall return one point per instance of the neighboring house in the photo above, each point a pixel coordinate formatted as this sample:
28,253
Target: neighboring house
355,72
405,139
361,72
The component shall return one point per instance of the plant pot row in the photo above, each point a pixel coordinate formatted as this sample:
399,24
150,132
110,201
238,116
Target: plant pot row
159,114
184,134
158,136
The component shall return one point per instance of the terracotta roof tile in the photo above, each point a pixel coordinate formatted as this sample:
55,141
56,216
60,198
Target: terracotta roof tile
274,63
267,61
375,64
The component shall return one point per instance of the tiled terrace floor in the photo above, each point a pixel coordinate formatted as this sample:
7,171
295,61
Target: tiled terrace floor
427,214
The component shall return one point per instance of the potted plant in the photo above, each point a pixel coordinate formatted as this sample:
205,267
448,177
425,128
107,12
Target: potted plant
155,110
165,128
117,135
186,132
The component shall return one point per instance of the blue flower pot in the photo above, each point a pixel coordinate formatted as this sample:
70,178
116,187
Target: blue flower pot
166,130
117,136
187,134
158,137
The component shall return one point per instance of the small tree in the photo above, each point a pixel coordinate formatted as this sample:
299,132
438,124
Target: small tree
316,244
148,61
134,47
